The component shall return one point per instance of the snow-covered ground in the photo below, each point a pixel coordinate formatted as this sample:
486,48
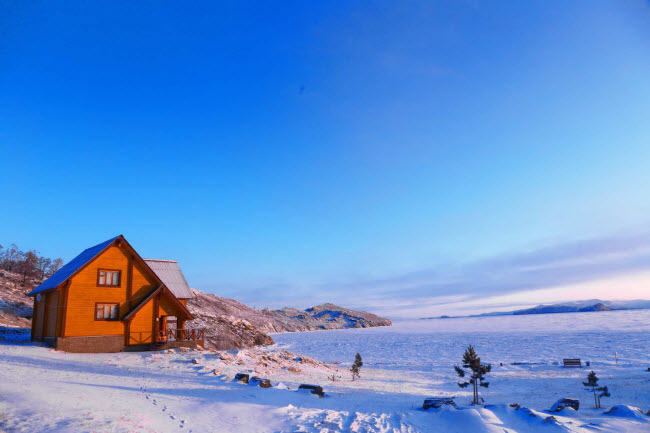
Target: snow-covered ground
46,390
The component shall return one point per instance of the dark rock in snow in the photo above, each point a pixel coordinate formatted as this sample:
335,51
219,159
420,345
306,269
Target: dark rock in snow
262,383
242,377
566,402
438,402
315,389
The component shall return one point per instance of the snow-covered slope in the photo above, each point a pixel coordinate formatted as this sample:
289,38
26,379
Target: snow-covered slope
42,390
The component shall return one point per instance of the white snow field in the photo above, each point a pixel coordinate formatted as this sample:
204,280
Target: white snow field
42,390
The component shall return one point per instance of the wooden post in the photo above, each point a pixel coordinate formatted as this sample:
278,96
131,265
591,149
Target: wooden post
66,290
129,281
34,316
156,310
127,332
44,304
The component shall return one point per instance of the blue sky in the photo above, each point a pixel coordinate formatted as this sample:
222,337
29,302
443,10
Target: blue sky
384,155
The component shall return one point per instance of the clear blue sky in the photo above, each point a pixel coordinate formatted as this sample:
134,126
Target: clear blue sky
297,153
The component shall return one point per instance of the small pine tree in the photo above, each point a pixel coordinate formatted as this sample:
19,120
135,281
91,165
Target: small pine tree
356,367
604,392
477,372
592,382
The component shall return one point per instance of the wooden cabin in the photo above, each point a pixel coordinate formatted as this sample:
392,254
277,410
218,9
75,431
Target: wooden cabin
109,299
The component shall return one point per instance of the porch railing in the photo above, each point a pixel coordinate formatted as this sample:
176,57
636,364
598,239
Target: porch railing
195,334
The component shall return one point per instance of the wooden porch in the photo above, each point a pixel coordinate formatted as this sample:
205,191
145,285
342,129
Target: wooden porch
172,335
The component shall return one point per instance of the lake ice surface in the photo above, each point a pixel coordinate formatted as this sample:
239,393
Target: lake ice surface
526,353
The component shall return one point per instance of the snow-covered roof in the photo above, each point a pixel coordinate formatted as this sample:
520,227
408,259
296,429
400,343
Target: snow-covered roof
71,267
171,275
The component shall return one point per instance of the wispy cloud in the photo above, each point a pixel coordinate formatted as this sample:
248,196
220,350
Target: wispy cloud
548,267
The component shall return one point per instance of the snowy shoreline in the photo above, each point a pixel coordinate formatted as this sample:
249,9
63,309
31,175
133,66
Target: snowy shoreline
43,390
46,390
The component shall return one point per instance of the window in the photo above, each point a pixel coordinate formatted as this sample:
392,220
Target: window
110,278
106,311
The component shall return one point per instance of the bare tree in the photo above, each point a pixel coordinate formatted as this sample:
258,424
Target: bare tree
12,257
43,265
29,265
55,266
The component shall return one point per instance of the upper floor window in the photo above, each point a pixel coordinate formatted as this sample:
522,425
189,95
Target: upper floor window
106,311
109,278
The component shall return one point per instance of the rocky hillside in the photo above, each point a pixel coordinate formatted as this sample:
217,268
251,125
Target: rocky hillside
325,316
227,325
15,307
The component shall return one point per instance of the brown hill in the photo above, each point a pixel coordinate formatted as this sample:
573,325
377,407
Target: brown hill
15,307
325,316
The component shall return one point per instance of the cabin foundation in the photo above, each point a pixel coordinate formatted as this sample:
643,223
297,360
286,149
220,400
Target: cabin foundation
91,344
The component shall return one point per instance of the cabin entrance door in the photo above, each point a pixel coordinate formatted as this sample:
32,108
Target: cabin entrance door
162,327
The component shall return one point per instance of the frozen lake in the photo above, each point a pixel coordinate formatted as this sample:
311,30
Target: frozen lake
542,338
525,351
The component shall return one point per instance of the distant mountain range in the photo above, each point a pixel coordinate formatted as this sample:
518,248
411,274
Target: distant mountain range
591,305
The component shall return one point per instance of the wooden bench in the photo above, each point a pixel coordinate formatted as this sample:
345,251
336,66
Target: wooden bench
572,363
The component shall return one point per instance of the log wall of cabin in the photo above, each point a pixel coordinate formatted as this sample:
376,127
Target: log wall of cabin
84,293
51,314
142,284
61,311
37,321
167,308
141,330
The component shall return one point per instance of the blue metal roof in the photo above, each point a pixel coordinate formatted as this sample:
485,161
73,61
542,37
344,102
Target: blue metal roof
71,267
